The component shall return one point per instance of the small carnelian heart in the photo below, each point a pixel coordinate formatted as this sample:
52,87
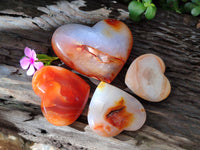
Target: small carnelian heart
112,110
99,51
63,94
145,77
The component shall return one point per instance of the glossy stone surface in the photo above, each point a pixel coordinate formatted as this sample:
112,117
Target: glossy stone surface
112,110
145,77
99,51
63,94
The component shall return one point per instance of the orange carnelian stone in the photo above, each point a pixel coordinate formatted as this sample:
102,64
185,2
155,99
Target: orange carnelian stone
63,94
118,116
98,52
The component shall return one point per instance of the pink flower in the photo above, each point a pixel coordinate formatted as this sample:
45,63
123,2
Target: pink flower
29,62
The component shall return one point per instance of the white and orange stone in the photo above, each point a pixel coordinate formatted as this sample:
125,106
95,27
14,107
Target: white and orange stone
99,51
145,77
112,110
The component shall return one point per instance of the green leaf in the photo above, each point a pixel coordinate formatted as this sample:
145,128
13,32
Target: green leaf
134,17
173,4
47,60
195,11
147,1
189,6
150,12
135,10
196,2
42,56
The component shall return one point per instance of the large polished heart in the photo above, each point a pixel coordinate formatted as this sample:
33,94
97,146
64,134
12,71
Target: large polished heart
145,77
112,110
99,51
63,94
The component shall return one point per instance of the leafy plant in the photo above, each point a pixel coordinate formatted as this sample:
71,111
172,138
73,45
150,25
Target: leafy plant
174,5
193,7
181,6
137,8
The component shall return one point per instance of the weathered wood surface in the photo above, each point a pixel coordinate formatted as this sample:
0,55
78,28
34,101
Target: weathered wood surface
171,124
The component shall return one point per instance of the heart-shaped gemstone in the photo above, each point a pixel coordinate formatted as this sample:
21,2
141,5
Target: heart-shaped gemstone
145,77
99,51
63,94
112,110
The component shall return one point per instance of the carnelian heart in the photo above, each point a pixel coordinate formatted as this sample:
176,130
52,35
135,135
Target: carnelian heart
63,94
145,77
112,110
99,51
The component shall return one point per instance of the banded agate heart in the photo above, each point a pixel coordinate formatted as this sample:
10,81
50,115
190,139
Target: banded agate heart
112,110
63,94
99,51
145,77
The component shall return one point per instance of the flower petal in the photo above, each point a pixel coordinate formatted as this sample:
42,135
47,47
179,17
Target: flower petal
34,56
31,70
28,52
24,62
38,65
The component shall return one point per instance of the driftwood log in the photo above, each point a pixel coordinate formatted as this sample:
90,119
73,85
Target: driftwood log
171,124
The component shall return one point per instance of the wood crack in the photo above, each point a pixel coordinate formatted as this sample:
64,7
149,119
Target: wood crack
14,15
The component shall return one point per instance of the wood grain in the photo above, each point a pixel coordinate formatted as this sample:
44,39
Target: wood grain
171,124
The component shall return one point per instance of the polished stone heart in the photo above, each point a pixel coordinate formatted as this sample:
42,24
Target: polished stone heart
63,94
145,77
112,110
99,51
